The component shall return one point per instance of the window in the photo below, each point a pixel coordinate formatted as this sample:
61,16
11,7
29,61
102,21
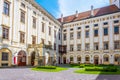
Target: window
116,58
4,56
87,58
43,25
87,26
116,21
42,41
54,46
23,5
87,47
95,25
79,28
6,8
96,46
22,17
64,36
34,22
116,45
71,29
71,47
106,46
34,12
54,33
78,58
49,30
33,39
71,58
78,35
96,32
71,36
65,30
22,37
59,35
87,34
116,30
105,31
106,58
78,47
105,23
5,33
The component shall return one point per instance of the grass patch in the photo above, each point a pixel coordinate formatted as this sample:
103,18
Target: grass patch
49,69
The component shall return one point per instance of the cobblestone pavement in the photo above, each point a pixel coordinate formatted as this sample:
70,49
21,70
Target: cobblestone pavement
28,74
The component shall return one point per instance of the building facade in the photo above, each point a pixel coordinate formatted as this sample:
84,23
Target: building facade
28,34
92,36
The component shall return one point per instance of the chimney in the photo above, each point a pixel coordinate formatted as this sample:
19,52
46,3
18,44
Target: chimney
76,14
61,17
92,11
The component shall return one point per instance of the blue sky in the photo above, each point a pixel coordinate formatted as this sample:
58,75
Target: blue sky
69,7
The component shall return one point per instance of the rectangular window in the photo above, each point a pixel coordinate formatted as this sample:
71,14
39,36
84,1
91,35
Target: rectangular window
22,19
54,33
87,47
79,28
71,29
78,35
4,56
54,46
33,39
22,37
87,26
116,45
42,41
116,30
96,32
105,23
34,22
78,47
59,35
49,30
105,31
5,34
116,21
71,36
43,26
64,36
96,46
71,48
87,34
6,8
106,46
95,25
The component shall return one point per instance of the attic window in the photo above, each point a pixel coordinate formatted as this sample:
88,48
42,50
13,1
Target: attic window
87,26
23,5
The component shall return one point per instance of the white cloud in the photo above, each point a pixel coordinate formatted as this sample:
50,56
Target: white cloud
68,7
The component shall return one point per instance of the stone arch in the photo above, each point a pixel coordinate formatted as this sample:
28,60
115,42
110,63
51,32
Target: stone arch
116,59
87,59
96,59
106,59
6,57
21,61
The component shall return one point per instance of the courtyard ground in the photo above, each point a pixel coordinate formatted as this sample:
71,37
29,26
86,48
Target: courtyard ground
28,74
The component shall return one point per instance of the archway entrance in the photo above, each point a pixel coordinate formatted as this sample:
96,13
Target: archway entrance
64,60
96,60
32,58
22,58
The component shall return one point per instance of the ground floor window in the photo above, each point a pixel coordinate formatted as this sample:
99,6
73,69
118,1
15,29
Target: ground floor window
106,59
78,58
71,58
87,58
4,64
4,56
116,58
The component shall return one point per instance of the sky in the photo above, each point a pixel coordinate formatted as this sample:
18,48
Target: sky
69,7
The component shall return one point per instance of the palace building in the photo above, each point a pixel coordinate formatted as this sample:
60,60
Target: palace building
92,36
29,35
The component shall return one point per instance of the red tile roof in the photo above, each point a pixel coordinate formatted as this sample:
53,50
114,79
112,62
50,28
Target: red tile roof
97,12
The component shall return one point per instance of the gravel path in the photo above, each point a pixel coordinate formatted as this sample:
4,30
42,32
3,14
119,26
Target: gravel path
28,74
